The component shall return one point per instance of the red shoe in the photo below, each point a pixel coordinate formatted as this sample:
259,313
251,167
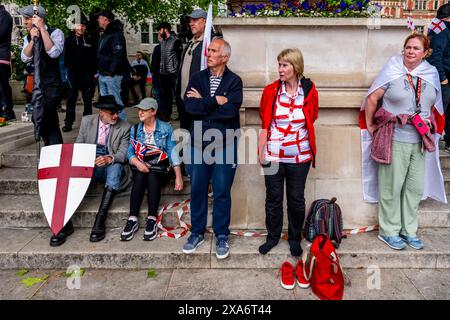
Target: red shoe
287,276
301,280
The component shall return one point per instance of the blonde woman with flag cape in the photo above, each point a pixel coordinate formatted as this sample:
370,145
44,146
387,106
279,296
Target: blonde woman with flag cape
399,165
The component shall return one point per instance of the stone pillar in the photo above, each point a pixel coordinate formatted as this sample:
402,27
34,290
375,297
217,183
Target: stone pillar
342,56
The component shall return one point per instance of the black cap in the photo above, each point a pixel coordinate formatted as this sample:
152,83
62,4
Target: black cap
164,25
106,13
108,103
443,11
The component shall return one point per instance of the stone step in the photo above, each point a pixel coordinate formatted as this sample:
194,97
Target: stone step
25,211
29,248
445,159
15,135
23,181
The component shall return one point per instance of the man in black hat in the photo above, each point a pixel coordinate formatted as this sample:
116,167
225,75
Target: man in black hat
171,48
51,43
6,24
439,35
111,57
80,60
111,134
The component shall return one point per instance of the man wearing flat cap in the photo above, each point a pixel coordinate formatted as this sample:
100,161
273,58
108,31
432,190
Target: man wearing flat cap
111,134
51,44
80,60
190,61
439,35
111,57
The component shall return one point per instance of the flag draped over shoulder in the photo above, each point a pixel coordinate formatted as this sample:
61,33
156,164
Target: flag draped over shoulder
434,181
206,38
436,26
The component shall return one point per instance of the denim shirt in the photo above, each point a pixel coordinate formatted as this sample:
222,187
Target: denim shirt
163,140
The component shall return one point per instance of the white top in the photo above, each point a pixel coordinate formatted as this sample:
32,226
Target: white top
57,37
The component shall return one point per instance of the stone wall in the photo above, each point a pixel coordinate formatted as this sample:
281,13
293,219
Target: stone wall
342,56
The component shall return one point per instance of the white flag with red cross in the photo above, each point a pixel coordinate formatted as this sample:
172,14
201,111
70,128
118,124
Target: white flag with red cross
64,175
436,26
207,38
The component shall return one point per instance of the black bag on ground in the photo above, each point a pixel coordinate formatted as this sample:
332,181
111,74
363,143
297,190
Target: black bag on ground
324,216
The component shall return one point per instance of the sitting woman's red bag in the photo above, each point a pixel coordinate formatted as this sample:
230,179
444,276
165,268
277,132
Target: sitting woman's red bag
323,270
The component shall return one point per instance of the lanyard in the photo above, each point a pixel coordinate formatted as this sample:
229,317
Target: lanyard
417,90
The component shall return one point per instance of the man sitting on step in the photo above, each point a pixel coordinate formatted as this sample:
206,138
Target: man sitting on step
112,136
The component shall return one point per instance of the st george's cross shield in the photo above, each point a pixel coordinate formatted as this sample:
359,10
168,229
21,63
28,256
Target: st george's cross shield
64,174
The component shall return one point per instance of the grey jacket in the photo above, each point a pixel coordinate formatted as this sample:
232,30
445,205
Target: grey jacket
118,140
171,49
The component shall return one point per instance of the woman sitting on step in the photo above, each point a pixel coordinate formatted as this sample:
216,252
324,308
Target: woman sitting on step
400,138
150,139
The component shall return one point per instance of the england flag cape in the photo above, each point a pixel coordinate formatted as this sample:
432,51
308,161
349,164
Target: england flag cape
434,181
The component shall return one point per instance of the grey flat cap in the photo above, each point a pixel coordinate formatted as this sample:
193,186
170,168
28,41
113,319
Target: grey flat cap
28,11
198,13
147,104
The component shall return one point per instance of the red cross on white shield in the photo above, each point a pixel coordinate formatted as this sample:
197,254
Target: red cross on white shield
64,174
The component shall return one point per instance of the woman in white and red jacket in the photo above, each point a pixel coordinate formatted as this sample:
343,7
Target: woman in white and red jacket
288,109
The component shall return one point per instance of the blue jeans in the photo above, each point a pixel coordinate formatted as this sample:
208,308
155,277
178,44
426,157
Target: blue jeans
111,86
111,174
221,177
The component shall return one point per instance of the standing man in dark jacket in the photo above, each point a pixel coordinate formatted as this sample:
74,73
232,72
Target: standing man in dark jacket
111,57
190,61
171,48
52,45
440,58
80,60
5,64
155,66
213,98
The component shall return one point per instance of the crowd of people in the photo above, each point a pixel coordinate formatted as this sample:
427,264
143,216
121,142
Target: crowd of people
403,119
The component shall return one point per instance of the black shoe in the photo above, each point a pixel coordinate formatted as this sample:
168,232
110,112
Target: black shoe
150,230
60,238
99,229
9,116
447,147
130,229
67,128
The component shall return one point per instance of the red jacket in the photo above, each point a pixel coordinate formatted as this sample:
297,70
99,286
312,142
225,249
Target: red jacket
310,109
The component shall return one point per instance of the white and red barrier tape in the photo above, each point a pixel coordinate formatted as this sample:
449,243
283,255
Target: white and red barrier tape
184,207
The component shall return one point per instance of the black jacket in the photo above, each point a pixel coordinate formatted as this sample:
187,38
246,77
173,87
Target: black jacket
156,60
112,50
6,24
207,109
80,53
440,57
171,50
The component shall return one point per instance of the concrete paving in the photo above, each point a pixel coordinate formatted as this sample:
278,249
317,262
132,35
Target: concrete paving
213,284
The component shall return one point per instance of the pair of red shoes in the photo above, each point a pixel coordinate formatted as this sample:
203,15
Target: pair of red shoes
288,275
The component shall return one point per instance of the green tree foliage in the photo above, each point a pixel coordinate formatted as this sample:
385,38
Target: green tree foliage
134,11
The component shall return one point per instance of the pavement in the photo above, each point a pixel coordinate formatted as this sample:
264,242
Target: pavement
214,284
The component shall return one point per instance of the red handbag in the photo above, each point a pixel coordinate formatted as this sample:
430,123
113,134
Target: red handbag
323,270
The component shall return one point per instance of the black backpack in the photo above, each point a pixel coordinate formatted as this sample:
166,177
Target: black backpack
324,216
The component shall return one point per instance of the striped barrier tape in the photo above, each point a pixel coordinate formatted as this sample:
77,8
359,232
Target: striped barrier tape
183,207
361,230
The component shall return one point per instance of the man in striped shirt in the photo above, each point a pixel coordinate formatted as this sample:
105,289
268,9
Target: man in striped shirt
213,98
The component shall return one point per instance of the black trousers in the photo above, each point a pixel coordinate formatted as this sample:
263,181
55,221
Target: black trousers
185,117
141,84
50,132
295,176
5,88
168,88
79,81
153,183
446,103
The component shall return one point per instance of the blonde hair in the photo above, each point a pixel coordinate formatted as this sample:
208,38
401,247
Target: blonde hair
293,56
